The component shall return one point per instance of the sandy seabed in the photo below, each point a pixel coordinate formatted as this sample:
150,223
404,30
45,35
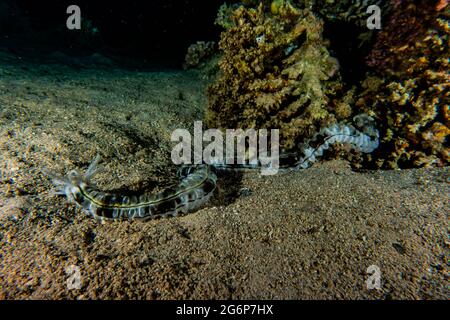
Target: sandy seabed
310,234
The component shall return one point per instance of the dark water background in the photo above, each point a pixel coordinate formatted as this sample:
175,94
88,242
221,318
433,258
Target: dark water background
156,32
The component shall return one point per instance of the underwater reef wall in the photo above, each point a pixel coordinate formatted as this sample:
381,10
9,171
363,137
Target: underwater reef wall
276,72
407,88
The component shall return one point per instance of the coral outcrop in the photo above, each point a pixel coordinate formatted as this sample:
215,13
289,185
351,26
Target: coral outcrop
408,88
198,53
350,11
407,23
276,72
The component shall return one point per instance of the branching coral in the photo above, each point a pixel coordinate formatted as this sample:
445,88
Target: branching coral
410,93
276,73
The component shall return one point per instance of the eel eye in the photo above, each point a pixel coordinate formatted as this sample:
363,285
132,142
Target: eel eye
73,175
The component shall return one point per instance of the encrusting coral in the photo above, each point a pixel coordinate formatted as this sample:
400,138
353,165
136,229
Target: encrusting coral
408,88
276,72
407,23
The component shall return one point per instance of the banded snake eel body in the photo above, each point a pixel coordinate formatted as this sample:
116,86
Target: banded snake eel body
198,182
